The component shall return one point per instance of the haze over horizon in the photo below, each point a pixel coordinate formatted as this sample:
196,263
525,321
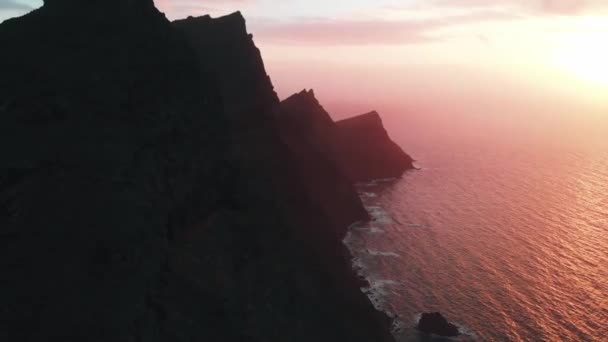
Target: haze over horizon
515,63
153,187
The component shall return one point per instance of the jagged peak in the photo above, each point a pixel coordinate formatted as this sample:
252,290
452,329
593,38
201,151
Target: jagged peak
234,22
308,93
305,106
307,96
98,3
233,17
369,118
370,114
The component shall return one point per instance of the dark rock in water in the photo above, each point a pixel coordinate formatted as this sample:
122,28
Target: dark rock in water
367,152
435,323
147,193
359,146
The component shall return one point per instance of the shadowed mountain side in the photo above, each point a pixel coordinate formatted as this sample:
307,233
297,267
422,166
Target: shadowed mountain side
286,179
359,146
228,53
304,111
367,152
309,135
146,193
107,128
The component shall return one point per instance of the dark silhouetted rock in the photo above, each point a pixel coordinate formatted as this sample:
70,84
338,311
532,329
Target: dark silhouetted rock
360,146
147,193
367,152
299,200
435,323
309,132
303,111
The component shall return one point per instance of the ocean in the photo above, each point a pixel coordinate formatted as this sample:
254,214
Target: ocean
507,239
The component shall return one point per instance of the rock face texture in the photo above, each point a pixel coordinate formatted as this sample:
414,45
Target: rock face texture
359,146
435,323
148,194
309,133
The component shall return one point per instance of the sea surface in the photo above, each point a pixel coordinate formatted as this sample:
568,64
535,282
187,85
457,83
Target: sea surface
509,240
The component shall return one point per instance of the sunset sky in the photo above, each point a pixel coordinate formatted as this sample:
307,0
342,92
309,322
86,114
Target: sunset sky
499,59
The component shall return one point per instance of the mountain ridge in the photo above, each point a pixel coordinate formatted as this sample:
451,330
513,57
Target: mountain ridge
149,193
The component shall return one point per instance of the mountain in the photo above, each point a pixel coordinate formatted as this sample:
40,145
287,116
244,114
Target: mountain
148,192
359,146
367,152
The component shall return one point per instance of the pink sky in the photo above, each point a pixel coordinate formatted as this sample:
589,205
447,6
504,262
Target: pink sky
505,62
509,59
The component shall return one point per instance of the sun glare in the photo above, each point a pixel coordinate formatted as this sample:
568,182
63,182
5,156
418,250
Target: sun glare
585,56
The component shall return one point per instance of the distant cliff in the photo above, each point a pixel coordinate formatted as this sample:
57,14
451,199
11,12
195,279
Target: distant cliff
149,193
359,146
367,152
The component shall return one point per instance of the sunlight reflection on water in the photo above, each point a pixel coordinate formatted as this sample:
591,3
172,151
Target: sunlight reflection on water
512,246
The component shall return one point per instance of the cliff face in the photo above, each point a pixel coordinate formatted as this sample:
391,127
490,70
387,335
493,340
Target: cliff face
304,112
310,132
228,55
106,128
296,201
367,152
359,146
147,194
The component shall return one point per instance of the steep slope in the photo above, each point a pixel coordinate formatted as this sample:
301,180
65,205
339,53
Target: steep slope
310,132
225,48
107,127
295,189
359,146
146,193
367,152
303,110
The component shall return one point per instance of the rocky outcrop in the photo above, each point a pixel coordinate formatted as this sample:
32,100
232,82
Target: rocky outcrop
304,112
435,323
309,132
359,146
367,152
227,54
147,193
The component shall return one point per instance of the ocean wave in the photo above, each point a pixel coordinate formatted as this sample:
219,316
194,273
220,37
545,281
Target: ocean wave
379,215
377,292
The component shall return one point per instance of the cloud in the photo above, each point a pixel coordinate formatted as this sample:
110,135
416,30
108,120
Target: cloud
14,5
324,31
537,7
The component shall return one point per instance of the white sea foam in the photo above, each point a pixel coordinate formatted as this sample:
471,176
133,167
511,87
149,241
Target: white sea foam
369,230
379,215
381,253
377,293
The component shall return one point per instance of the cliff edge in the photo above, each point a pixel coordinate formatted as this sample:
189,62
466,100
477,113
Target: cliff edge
359,146
148,194
367,152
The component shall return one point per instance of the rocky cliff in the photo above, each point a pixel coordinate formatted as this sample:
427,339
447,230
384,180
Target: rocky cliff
148,194
367,152
359,146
